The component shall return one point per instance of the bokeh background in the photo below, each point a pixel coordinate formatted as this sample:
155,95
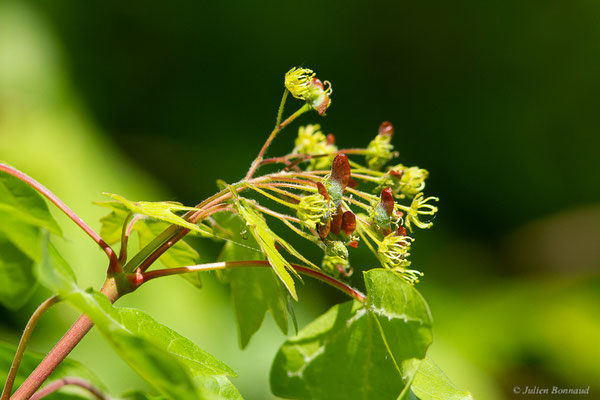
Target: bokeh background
499,100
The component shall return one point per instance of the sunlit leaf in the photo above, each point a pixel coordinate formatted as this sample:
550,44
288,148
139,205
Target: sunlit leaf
20,199
22,234
357,351
253,290
17,281
161,210
431,383
31,359
181,254
267,241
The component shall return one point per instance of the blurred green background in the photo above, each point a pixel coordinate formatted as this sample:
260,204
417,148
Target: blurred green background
498,100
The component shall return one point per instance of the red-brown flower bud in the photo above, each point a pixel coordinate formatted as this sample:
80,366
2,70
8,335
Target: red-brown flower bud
401,231
336,221
340,170
322,190
386,129
330,139
397,173
387,201
323,229
353,244
348,222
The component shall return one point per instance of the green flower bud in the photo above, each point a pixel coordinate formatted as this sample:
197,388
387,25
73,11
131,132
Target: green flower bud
336,266
383,213
380,150
337,249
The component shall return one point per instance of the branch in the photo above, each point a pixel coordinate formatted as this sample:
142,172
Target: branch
278,128
114,263
58,384
350,291
33,320
62,349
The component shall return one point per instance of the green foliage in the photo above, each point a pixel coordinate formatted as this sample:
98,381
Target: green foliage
357,351
431,383
266,239
20,200
23,213
175,366
181,254
253,290
31,359
161,210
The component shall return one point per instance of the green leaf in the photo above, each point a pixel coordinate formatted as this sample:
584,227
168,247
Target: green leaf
53,272
180,254
357,351
22,234
171,363
266,239
253,290
17,281
189,354
20,199
162,210
31,359
431,383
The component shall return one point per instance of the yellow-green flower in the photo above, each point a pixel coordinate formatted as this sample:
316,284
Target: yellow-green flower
380,151
303,85
393,250
312,141
420,206
299,81
406,180
314,209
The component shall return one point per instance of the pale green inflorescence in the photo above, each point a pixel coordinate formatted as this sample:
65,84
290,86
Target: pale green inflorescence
393,252
314,209
299,81
303,85
404,180
312,141
418,207
379,152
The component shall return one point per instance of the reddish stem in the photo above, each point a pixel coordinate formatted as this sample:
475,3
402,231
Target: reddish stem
145,277
62,349
33,320
114,263
59,384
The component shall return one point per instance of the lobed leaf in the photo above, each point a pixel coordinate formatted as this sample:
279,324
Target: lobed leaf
253,290
267,241
181,254
431,383
161,210
357,351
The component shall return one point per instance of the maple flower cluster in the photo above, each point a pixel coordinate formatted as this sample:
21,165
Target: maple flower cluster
383,222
